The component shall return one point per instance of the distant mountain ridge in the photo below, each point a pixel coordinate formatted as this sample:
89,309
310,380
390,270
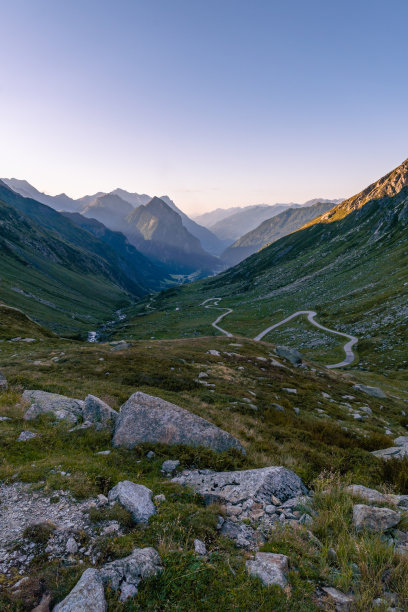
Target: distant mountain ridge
95,206
271,230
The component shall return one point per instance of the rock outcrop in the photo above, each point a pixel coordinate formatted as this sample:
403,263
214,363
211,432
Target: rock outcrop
375,497
60,406
290,354
87,595
238,487
144,418
135,498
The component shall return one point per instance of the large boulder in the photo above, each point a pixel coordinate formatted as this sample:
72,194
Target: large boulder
144,418
98,413
372,391
60,406
290,354
237,488
86,596
373,518
271,568
126,574
3,382
135,498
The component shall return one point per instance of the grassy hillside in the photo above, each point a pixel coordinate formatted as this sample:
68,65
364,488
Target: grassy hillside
63,287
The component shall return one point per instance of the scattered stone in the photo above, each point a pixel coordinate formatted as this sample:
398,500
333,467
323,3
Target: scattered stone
135,498
126,574
290,354
278,407
341,601
105,452
98,412
87,595
332,555
289,390
372,391
26,435
144,418
202,375
271,568
119,345
101,500
200,548
401,441
72,546
150,455
3,382
159,499
374,518
169,466
214,353
62,407
3,418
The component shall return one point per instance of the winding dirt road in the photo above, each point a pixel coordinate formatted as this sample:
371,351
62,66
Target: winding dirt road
348,347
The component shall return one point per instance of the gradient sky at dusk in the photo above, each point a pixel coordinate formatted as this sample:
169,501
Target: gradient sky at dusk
213,102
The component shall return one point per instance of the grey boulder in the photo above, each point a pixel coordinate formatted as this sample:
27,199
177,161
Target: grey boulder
342,601
394,452
98,413
373,518
126,574
290,354
60,406
145,418
86,596
271,568
372,391
135,498
3,382
258,485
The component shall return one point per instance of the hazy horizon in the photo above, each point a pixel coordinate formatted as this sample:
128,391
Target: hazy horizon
215,104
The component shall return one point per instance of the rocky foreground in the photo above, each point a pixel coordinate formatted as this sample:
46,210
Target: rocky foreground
249,505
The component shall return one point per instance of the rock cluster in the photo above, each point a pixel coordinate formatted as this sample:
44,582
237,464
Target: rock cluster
255,501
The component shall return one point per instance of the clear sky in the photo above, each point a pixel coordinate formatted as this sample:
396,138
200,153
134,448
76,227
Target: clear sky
213,102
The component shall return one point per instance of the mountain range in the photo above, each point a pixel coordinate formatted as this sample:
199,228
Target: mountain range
272,229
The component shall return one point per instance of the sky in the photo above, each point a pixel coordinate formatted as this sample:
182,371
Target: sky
215,103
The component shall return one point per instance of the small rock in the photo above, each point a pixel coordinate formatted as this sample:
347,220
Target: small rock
159,499
150,455
3,418
332,555
289,390
71,546
26,435
341,601
373,496
169,466
200,548
137,499
101,500
278,407
105,452
374,518
271,568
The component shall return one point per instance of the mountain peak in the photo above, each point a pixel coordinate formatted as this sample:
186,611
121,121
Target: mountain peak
387,186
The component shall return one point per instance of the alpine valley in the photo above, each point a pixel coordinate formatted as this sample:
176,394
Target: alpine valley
203,414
